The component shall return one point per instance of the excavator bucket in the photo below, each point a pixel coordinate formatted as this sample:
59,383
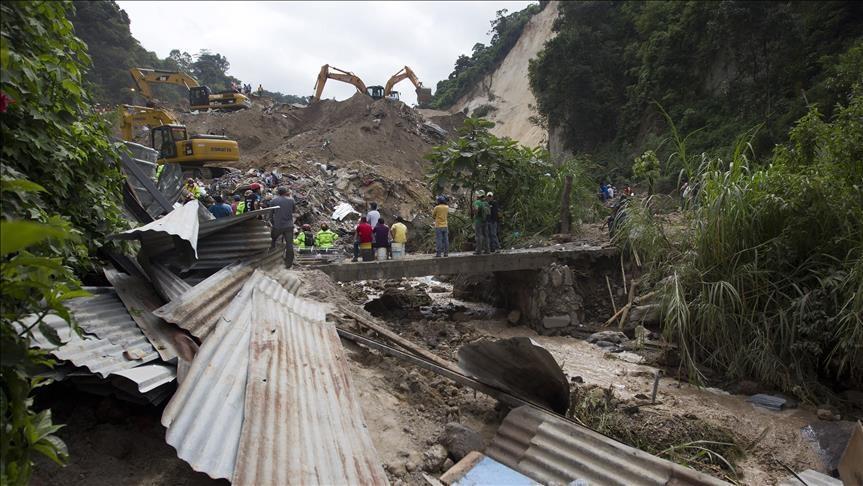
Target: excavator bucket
424,96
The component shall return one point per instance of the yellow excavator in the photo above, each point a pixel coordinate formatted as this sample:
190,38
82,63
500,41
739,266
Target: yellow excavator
200,97
424,95
172,141
376,92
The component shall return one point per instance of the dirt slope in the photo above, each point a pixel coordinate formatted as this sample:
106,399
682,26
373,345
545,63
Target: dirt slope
507,89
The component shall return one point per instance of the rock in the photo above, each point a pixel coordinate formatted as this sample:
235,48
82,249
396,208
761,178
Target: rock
448,464
825,414
438,289
396,468
605,344
644,314
556,277
513,316
553,322
460,439
410,466
434,458
615,337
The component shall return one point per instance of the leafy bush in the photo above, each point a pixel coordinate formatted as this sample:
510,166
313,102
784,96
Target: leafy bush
766,279
483,111
60,191
526,184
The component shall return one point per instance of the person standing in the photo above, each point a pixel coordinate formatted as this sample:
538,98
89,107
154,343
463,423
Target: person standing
399,232
493,219
219,209
235,204
283,223
440,213
363,234
480,223
250,201
373,215
382,237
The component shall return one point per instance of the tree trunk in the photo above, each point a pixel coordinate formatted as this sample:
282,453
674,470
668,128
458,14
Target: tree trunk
565,215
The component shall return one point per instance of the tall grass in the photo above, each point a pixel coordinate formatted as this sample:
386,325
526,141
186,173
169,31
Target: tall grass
766,279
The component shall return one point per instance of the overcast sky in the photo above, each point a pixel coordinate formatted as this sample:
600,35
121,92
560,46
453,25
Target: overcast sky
282,45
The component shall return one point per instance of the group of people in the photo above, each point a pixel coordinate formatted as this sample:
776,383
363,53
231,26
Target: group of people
372,233
245,89
607,191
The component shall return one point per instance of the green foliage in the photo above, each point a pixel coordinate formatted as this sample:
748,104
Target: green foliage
483,111
646,167
59,191
526,184
468,71
715,67
766,278
104,27
50,134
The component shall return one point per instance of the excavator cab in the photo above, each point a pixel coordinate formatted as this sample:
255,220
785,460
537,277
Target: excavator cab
376,92
165,138
199,96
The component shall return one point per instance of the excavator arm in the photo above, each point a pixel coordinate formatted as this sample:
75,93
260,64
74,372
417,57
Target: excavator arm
338,75
423,94
144,77
135,116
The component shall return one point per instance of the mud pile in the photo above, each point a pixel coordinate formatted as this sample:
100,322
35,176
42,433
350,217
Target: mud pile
333,153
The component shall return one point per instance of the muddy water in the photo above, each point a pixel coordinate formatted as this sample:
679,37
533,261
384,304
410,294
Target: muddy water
773,438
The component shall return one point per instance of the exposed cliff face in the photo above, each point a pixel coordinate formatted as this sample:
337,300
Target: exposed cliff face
507,89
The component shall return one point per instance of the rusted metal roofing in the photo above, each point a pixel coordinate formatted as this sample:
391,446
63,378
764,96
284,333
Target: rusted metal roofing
231,244
210,227
167,283
179,229
303,423
552,450
205,415
140,299
199,309
120,345
314,397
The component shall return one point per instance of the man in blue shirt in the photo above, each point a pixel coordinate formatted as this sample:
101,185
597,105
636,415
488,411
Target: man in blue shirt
219,209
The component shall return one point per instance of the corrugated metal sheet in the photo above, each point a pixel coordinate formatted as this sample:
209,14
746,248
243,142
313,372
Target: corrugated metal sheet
99,355
208,228
214,393
153,381
811,478
177,229
199,309
167,283
140,299
303,423
205,415
550,449
231,244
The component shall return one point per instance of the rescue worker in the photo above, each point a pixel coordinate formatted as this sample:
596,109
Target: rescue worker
283,223
307,237
219,209
235,204
249,203
193,188
325,238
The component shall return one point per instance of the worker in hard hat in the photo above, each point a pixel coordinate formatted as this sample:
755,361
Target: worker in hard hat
325,238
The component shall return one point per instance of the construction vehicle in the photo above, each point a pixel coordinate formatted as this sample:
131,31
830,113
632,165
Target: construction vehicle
172,141
424,95
376,92
200,97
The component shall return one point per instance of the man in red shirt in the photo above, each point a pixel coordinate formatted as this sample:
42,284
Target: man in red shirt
363,235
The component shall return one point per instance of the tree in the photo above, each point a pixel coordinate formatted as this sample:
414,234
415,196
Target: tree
646,167
59,190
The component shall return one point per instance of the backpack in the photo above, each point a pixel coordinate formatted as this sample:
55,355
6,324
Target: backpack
310,238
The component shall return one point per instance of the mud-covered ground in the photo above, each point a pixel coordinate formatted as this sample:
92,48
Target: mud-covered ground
406,409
